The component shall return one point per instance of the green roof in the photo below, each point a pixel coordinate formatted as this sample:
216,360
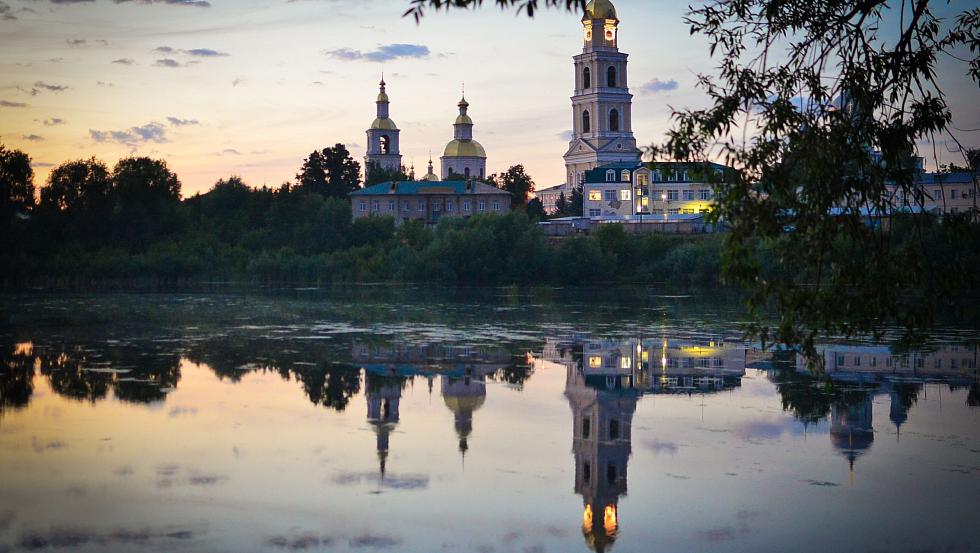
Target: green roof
414,187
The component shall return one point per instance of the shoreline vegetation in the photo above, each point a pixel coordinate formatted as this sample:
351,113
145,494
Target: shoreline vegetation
129,228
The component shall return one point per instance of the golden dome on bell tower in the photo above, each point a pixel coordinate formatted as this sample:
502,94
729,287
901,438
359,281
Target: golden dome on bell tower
599,9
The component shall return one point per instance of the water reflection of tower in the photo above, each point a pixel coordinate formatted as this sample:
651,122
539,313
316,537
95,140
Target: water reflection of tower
383,395
602,411
851,431
464,395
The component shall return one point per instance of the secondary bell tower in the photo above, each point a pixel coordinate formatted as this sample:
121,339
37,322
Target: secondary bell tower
382,138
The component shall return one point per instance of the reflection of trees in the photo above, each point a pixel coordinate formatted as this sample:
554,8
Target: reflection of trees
16,378
79,371
807,397
907,393
325,381
515,374
331,386
65,367
154,374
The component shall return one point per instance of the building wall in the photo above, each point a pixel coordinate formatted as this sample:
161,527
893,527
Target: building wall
428,207
626,192
477,167
956,195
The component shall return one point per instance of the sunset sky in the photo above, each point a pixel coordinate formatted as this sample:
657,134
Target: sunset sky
249,87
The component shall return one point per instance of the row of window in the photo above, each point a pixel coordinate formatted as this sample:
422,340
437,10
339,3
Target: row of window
597,362
437,206
613,121
672,195
613,429
624,175
920,362
610,78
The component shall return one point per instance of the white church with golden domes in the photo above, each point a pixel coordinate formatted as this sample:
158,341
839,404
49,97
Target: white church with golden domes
463,156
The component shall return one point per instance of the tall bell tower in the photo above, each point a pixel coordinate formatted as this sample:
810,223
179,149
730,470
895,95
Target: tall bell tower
382,138
602,123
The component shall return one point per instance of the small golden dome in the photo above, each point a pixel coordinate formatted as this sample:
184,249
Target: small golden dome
383,97
599,9
463,103
464,148
384,123
464,120
431,177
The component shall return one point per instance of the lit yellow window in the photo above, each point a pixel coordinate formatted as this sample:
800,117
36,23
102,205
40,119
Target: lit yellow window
624,195
595,362
624,362
595,196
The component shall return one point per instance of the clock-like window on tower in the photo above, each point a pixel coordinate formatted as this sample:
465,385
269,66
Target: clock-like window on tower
614,120
586,123
611,77
586,78
384,144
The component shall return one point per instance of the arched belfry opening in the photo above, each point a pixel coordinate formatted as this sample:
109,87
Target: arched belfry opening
385,144
586,123
611,77
586,78
614,120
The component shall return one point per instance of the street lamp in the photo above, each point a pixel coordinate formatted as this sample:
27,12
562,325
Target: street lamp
663,198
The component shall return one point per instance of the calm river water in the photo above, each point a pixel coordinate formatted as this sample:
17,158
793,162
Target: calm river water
484,421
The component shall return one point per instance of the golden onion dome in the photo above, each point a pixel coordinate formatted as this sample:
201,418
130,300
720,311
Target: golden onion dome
383,97
464,403
463,103
464,120
464,148
431,177
599,9
384,123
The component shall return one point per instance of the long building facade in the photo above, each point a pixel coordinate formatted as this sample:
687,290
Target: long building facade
429,201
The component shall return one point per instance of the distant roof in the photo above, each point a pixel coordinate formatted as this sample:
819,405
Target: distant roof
410,187
554,188
948,178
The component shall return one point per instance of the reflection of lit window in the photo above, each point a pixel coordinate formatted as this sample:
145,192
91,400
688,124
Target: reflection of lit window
624,362
609,522
624,195
595,362
595,195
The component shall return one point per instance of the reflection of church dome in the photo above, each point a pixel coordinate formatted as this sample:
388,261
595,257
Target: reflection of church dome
463,396
851,430
463,404
599,9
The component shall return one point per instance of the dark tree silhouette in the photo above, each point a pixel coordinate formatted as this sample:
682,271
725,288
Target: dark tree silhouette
330,172
516,181
16,182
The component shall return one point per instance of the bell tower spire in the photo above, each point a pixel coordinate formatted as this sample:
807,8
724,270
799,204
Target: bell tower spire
602,123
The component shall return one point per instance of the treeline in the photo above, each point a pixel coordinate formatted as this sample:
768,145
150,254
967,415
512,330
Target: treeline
92,225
